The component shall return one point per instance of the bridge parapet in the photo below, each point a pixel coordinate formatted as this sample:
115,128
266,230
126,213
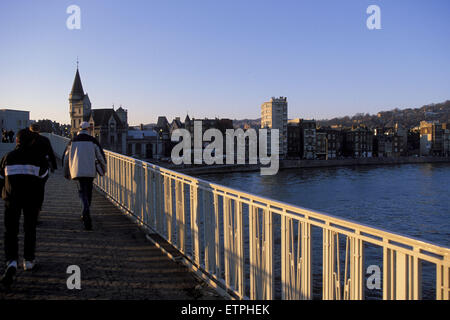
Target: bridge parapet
258,248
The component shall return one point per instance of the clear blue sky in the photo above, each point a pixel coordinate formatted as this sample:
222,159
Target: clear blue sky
224,58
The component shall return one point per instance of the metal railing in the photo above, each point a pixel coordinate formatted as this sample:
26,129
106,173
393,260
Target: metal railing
258,248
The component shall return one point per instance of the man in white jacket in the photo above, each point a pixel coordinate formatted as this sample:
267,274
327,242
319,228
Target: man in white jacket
81,156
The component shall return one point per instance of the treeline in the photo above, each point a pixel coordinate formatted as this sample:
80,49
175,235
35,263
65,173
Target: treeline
47,125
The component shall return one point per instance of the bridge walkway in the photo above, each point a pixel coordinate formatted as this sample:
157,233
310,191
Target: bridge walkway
116,260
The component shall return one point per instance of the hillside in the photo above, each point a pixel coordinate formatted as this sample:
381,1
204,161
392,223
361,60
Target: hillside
407,117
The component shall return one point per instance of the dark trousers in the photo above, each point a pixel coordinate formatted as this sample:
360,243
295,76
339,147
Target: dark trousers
42,192
12,219
85,192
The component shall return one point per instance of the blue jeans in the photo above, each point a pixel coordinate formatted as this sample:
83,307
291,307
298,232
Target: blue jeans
85,192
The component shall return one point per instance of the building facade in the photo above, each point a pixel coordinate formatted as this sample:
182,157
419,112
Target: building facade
302,138
433,138
142,144
331,142
14,120
358,142
274,116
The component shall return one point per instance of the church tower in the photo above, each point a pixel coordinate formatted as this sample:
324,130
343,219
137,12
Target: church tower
80,105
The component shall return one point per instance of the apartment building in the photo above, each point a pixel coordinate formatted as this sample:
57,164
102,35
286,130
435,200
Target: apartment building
274,116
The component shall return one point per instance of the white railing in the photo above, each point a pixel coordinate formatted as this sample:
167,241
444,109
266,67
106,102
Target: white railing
258,248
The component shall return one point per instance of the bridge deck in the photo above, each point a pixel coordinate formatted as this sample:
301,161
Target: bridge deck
116,260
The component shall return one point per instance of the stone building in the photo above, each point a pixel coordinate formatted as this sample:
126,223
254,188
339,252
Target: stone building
332,142
294,143
163,142
107,125
109,130
358,142
446,141
321,145
390,142
220,124
142,143
433,138
302,138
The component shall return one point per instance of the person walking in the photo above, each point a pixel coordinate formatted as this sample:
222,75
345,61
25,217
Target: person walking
21,172
80,160
11,136
43,147
4,136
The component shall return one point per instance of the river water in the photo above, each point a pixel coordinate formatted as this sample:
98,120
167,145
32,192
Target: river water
412,200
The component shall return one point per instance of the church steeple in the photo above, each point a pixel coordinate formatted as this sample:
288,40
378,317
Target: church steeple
77,92
79,104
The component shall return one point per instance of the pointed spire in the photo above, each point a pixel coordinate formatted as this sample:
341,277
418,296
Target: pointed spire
77,92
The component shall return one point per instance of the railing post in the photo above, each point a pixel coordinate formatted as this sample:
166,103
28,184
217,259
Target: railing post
209,227
240,249
180,215
153,205
442,281
227,234
159,203
296,264
261,255
218,268
268,254
356,269
168,207
233,245
195,237
402,276
306,262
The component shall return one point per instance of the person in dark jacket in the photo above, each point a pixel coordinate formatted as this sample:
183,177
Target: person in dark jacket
43,147
11,136
21,174
81,157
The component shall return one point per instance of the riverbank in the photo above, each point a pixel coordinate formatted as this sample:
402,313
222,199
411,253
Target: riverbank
296,164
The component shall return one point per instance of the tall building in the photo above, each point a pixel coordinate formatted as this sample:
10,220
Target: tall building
274,116
107,125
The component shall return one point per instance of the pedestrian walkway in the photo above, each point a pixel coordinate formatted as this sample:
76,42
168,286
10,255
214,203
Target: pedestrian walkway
116,259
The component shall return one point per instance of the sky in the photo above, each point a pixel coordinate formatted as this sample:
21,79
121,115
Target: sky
211,58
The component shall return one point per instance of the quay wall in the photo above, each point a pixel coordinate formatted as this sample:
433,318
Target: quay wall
295,164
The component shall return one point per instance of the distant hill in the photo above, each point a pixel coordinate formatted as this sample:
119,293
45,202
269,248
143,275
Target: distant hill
250,123
407,117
